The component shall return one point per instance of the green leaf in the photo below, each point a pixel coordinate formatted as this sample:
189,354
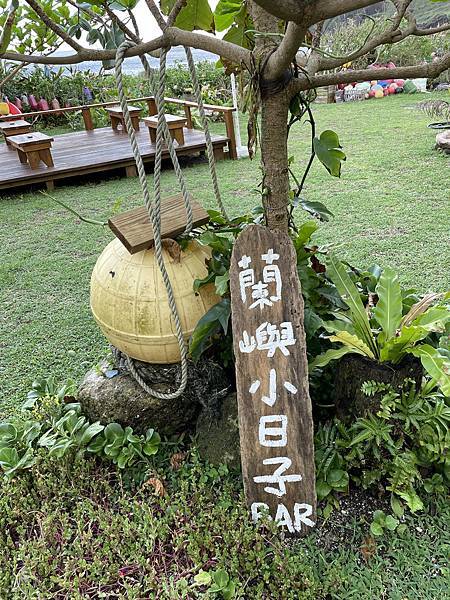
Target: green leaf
353,342
327,149
388,311
397,506
221,578
379,517
396,348
304,233
376,529
217,316
317,210
9,458
391,522
60,447
333,354
114,431
412,500
221,283
202,578
350,295
197,14
90,432
436,365
434,319
96,445
225,12
322,489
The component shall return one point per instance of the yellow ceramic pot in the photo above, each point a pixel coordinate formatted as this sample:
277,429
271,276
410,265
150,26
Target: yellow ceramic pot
130,304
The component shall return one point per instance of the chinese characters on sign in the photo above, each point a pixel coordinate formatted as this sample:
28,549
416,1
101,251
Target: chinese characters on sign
271,370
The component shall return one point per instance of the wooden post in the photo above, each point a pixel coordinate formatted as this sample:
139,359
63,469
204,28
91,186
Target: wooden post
231,134
87,118
275,417
188,113
152,110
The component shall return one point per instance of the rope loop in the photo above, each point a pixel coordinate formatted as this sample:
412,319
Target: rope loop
154,207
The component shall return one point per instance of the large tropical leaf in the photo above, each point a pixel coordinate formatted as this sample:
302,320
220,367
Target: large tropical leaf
388,311
395,349
350,295
225,12
436,365
197,14
333,354
353,342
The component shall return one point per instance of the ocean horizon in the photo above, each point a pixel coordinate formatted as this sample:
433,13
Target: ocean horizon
133,66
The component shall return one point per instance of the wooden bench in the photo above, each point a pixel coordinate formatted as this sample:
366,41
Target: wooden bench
33,148
17,127
175,124
118,118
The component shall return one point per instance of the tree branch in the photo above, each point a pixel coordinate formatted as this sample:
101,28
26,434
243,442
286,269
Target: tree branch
308,13
175,12
321,9
171,37
286,51
53,26
156,14
429,70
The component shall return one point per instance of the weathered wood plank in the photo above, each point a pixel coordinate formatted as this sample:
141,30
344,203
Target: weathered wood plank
134,230
275,417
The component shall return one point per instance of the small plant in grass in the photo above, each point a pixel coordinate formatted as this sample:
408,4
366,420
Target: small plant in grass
218,583
383,523
61,428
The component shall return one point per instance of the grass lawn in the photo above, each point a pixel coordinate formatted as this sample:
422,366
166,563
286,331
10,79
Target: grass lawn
391,207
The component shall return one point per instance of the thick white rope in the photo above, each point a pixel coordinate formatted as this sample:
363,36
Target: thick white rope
155,217
154,210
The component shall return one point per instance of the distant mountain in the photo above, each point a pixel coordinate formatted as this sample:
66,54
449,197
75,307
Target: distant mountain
427,13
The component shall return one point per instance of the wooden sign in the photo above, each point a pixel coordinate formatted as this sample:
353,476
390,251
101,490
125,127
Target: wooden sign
275,418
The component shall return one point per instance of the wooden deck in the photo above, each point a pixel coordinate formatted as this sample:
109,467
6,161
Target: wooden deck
80,153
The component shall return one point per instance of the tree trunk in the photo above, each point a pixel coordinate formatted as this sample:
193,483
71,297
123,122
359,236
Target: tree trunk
274,115
274,155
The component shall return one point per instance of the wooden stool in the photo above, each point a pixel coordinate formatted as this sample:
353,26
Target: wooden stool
175,124
134,230
118,118
17,127
33,148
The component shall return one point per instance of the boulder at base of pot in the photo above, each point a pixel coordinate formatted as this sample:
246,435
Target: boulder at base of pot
110,393
218,434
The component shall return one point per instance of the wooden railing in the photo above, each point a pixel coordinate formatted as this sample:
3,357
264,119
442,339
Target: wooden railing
188,106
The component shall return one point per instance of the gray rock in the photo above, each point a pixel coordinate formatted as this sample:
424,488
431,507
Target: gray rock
218,434
121,399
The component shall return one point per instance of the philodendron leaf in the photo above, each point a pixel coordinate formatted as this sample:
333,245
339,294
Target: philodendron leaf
388,311
217,317
328,151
